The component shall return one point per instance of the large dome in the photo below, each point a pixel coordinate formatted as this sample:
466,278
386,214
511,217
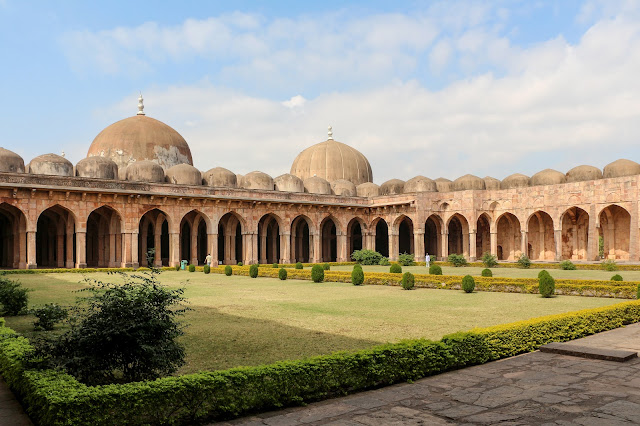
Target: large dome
140,138
332,160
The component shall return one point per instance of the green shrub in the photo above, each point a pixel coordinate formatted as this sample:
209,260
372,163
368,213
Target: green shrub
178,267
486,273
543,272
638,292
435,270
13,297
468,284
609,265
546,285
616,277
253,270
489,260
282,274
48,316
326,267
384,261
206,269
408,281
406,259
317,274
567,265
228,270
299,265
366,257
395,269
192,268
457,260
240,264
357,275
275,265
524,261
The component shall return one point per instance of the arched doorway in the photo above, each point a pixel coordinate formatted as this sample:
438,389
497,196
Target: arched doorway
405,236
509,237
230,247
301,240
432,233
56,238
269,239
382,237
329,240
615,230
13,228
541,244
354,236
193,238
153,239
575,234
458,235
104,238
483,235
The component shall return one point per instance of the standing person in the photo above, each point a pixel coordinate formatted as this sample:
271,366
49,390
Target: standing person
427,260
207,260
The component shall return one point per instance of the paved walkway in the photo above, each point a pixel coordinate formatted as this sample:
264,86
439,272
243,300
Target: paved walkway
11,412
535,388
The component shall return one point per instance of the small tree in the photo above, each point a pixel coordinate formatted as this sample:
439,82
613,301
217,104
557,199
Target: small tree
543,272
206,269
357,275
406,259
395,269
253,270
567,265
486,272
13,297
489,260
192,268
299,265
435,270
366,257
228,271
48,316
457,260
282,274
546,285
408,281
609,265
468,284
317,273
524,261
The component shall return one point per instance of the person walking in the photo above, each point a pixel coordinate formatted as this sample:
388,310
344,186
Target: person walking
207,260
427,260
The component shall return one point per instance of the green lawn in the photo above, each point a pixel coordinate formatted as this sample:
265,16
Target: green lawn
242,321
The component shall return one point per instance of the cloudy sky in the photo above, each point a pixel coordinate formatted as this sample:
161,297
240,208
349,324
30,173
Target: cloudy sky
420,88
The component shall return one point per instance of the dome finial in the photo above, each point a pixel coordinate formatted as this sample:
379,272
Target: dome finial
140,105
330,133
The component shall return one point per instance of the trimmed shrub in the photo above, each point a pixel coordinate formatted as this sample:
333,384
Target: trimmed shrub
228,271
567,265
282,274
13,297
357,275
616,277
178,267
240,264
486,273
546,285
317,274
524,261
192,268
206,269
638,292
406,259
543,272
395,269
408,281
326,267
489,260
299,265
366,257
435,270
48,315
275,265
253,270
468,284
609,265
384,261
457,260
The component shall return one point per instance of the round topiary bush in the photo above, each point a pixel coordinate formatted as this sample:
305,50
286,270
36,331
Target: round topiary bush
616,277
357,275
486,272
546,285
192,268
206,269
435,270
228,271
275,265
317,274
408,281
326,267
253,271
468,284
541,273
282,274
299,265
395,269
240,264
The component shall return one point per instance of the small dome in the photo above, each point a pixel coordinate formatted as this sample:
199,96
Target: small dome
467,182
443,185
144,171
420,184
51,164
183,174
491,183
257,180
10,162
548,177
344,187
582,173
620,168
317,185
288,183
97,167
391,187
368,189
219,177
516,180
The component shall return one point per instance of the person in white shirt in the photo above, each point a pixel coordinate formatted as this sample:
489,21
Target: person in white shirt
207,260
427,259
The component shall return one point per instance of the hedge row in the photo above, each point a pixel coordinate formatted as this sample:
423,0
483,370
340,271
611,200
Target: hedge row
55,398
536,265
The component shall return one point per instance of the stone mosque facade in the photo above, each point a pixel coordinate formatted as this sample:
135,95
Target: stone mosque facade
137,189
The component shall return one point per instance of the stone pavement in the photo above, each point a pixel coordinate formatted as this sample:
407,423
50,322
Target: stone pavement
11,412
536,388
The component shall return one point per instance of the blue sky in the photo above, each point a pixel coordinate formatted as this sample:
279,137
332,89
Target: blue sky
430,88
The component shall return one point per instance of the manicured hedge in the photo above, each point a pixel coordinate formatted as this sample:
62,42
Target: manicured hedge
58,399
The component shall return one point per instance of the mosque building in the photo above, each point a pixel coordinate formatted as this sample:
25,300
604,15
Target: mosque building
137,189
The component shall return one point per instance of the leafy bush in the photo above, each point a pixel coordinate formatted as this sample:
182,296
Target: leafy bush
206,269
567,265
192,268
609,265
357,275
228,270
489,260
435,270
616,277
317,274
240,264
326,267
178,267
13,297
48,316
406,259
282,274
638,292
384,261
275,265
524,261
366,257
541,273
457,260
408,281
253,271
299,265
468,284
546,285
395,269
486,273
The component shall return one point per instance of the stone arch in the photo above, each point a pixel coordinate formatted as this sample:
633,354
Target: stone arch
404,226
458,235
483,235
301,239
433,236
231,229
194,241
56,238
153,238
269,239
615,230
381,236
541,244
356,229
575,234
509,237
328,240
104,238
13,239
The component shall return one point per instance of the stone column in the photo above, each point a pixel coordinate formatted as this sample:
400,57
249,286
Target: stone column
557,234
60,263
494,243
274,247
253,237
81,249
112,251
285,247
31,250
194,247
524,242
472,245
263,247
465,245
133,261
418,245
315,255
341,241
445,245
592,236
634,250
143,245
393,245
212,244
22,260
174,249
231,249
610,237
158,247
